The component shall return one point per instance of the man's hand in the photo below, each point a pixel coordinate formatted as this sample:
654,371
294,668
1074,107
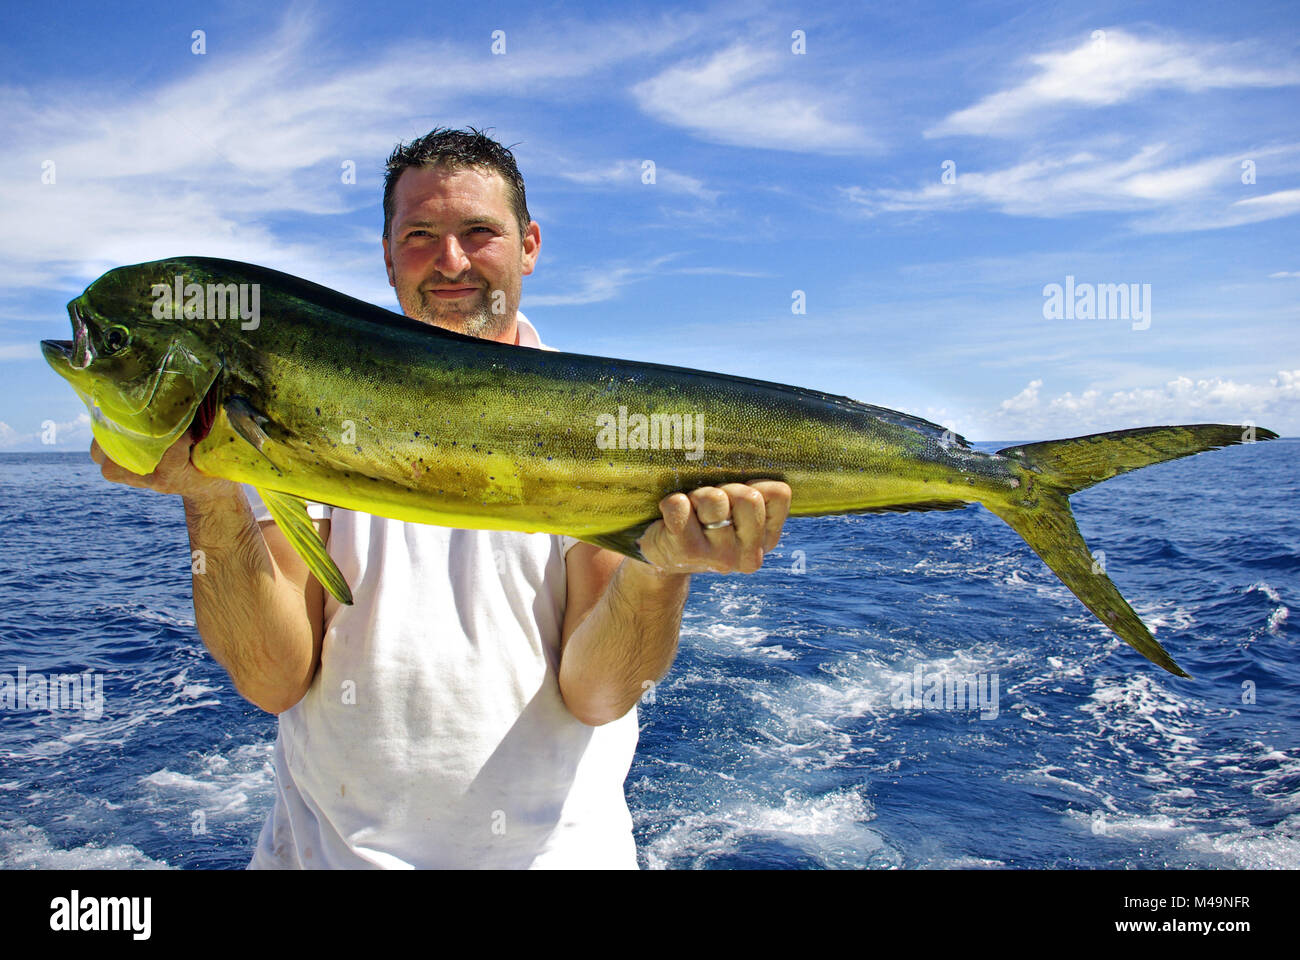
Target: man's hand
624,617
174,473
682,543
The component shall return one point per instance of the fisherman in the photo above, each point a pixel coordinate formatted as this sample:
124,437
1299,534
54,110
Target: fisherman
476,705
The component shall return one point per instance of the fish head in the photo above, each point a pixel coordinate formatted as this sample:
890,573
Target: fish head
141,373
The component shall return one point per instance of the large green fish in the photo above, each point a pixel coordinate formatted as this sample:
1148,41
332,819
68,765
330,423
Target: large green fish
307,393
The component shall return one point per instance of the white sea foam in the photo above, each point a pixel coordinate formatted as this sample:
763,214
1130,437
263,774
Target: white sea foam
968,863
830,829
1253,848
1278,615
748,639
1131,750
1266,590
27,847
115,730
138,611
1147,730
222,784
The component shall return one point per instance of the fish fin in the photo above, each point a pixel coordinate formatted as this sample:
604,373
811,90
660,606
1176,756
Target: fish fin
1057,468
623,541
1048,527
1078,463
290,515
247,422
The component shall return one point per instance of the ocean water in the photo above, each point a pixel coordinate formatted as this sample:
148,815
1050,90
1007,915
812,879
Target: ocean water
794,729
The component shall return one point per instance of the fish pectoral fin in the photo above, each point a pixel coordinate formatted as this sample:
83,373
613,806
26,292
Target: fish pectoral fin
290,515
622,541
247,421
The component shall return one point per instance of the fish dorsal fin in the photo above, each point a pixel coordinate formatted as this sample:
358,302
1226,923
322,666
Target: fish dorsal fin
290,515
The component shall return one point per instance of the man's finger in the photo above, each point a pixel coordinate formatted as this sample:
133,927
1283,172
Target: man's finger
776,497
684,527
748,515
711,505
676,510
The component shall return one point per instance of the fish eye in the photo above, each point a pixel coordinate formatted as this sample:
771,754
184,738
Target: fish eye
116,338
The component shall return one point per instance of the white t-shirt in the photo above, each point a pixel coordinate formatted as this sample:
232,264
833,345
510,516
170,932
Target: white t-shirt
434,734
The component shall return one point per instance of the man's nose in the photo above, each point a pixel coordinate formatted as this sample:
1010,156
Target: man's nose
451,259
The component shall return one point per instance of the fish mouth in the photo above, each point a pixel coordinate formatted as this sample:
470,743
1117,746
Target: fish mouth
77,352
55,350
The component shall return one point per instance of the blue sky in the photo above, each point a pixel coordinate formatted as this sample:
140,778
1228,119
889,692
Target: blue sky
921,172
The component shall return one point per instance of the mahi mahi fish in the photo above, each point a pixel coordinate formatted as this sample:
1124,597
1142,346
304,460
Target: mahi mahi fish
308,394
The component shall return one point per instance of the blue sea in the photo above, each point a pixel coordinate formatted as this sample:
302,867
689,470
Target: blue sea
802,725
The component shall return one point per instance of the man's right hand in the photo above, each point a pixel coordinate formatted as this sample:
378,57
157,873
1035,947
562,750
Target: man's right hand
174,473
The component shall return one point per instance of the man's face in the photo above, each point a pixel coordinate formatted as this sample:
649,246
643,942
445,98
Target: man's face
454,253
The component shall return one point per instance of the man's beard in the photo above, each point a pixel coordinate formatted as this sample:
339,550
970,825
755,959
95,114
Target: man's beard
479,321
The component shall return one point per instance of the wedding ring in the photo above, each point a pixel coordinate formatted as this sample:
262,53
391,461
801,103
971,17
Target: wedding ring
717,526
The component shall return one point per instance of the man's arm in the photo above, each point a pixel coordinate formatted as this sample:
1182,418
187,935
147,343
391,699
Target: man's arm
623,617
621,622
258,609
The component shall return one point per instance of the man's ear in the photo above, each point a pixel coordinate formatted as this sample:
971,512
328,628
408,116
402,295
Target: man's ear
532,247
388,264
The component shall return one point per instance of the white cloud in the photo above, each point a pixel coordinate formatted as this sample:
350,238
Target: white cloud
69,433
592,284
600,283
1285,275
1166,180
1163,192
720,272
1274,404
628,173
1269,206
1285,201
747,97
207,164
1026,399
1105,70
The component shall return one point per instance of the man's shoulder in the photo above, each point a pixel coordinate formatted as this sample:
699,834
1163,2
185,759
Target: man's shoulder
527,335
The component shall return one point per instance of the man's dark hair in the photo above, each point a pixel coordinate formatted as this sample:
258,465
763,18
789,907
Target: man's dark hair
456,150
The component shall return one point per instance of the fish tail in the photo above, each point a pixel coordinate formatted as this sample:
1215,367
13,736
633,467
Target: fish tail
1041,512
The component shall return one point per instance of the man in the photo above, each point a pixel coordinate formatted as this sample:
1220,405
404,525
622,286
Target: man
475,706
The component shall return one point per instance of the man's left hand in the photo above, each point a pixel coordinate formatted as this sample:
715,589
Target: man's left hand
683,543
